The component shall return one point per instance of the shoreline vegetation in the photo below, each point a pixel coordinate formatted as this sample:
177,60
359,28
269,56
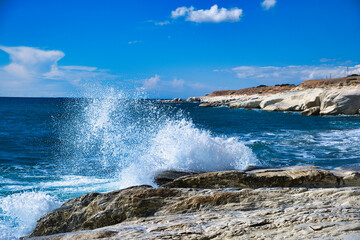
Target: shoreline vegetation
311,98
301,202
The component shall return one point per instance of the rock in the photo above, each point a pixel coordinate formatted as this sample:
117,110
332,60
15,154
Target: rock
169,175
97,210
313,111
282,213
175,100
250,103
159,212
193,99
253,167
215,104
309,176
333,96
341,102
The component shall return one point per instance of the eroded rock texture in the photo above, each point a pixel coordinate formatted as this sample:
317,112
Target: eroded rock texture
260,203
300,213
313,97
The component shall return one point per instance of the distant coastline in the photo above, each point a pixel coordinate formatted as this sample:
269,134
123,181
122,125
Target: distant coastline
313,97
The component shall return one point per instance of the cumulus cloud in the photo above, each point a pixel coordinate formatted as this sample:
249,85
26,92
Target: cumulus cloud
35,72
27,62
213,15
156,86
267,4
151,83
293,74
181,11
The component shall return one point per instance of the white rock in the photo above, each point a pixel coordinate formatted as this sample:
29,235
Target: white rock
334,100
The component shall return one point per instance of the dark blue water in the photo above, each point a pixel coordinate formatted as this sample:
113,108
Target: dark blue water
55,149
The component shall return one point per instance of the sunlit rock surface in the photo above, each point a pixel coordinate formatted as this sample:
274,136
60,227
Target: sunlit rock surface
326,96
284,203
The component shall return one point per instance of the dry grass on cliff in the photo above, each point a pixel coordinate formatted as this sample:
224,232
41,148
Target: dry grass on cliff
317,83
331,82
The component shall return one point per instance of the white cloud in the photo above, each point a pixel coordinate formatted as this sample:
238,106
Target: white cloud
27,61
267,4
178,83
151,83
214,14
163,23
293,74
33,72
79,68
323,60
181,11
134,42
154,86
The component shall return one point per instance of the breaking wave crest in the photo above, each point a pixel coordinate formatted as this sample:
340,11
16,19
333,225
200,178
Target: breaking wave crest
179,145
131,139
20,211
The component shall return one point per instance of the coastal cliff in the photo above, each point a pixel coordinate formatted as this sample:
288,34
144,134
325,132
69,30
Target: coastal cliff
313,97
284,203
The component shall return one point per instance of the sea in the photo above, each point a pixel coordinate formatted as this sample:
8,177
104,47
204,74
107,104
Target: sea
55,149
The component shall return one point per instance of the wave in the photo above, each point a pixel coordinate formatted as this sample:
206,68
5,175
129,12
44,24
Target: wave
129,139
20,211
179,145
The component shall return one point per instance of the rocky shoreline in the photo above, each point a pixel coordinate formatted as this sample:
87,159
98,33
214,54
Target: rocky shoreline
303,202
311,98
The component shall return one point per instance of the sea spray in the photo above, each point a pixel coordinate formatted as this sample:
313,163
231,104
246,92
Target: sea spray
179,145
130,139
20,211
107,133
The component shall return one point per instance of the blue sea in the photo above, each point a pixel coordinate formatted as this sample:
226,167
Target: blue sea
54,149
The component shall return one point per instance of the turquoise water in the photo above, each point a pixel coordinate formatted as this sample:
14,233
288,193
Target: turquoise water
54,149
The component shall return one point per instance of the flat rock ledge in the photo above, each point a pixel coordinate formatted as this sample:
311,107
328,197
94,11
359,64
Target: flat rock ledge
284,203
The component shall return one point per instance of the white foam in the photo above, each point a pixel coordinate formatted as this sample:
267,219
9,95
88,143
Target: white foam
179,145
130,140
20,211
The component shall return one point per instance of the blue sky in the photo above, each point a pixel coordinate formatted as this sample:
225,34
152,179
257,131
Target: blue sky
174,48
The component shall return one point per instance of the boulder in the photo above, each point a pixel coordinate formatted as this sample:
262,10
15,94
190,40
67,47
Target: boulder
169,175
193,99
341,102
214,104
313,111
250,103
97,210
308,176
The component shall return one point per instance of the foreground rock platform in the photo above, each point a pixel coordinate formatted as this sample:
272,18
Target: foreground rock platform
224,212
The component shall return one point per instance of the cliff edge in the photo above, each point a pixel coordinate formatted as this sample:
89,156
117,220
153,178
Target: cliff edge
312,97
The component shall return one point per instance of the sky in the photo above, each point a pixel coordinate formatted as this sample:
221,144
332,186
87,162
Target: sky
177,48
